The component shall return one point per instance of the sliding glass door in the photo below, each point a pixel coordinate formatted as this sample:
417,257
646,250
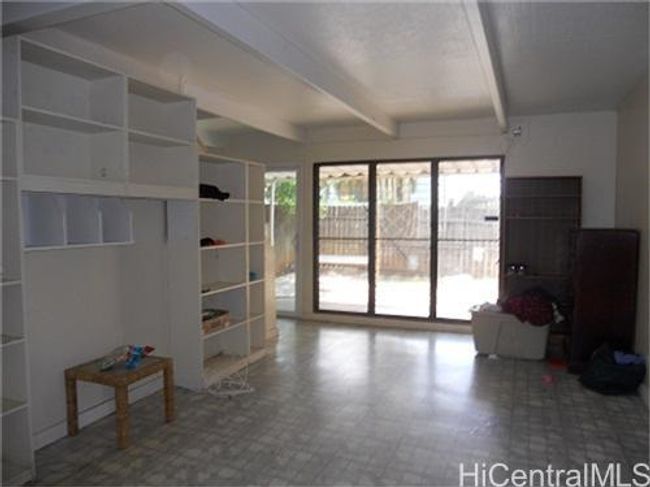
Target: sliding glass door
469,204
403,239
406,239
342,224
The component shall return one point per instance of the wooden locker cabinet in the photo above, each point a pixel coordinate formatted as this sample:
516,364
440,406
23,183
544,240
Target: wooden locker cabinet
605,289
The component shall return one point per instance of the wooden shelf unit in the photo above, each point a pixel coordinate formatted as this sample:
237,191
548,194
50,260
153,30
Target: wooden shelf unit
18,464
80,141
58,221
238,265
541,215
88,129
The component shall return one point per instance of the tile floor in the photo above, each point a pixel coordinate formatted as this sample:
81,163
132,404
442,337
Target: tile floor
343,405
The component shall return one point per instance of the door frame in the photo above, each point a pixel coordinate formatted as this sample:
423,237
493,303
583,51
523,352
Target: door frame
299,216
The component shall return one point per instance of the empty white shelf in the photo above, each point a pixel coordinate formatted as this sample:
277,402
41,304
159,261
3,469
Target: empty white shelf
51,184
82,220
44,220
9,282
141,137
65,122
10,406
56,60
116,221
220,287
8,340
59,221
154,93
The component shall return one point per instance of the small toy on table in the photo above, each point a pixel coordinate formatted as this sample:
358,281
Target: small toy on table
130,355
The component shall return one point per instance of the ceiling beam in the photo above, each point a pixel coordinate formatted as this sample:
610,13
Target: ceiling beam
238,24
219,104
20,17
485,48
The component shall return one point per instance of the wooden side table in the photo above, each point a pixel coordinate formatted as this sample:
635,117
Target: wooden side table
119,378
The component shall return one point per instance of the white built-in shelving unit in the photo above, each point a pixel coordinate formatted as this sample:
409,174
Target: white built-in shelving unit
232,274
17,454
91,130
80,141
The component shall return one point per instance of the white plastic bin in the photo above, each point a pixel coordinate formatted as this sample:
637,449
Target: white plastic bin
503,334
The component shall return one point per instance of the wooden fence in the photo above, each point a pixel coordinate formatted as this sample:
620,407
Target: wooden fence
467,243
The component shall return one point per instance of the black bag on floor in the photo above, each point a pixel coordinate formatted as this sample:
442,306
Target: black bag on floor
604,375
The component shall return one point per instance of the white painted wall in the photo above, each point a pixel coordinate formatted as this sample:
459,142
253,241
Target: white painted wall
572,144
70,316
82,303
632,181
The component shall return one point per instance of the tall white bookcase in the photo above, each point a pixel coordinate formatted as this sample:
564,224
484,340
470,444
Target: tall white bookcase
17,457
232,274
80,141
17,453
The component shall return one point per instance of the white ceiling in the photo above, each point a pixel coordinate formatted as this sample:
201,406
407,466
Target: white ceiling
159,35
560,57
415,61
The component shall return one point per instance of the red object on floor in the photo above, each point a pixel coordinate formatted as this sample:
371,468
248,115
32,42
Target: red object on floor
558,363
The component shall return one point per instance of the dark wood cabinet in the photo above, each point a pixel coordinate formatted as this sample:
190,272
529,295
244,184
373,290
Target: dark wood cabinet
605,290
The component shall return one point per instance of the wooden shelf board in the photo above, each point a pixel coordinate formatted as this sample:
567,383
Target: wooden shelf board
256,202
48,57
256,317
8,179
221,287
210,157
9,340
228,201
161,95
541,196
15,474
153,191
547,218
237,323
142,137
50,184
558,277
102,187
224,246
256,281
10,406
65,122
75,246
221,366
257,242
9,282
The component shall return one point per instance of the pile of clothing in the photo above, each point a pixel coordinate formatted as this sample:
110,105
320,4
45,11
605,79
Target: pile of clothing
535,307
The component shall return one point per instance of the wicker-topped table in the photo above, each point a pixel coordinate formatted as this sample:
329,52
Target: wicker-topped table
119,378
